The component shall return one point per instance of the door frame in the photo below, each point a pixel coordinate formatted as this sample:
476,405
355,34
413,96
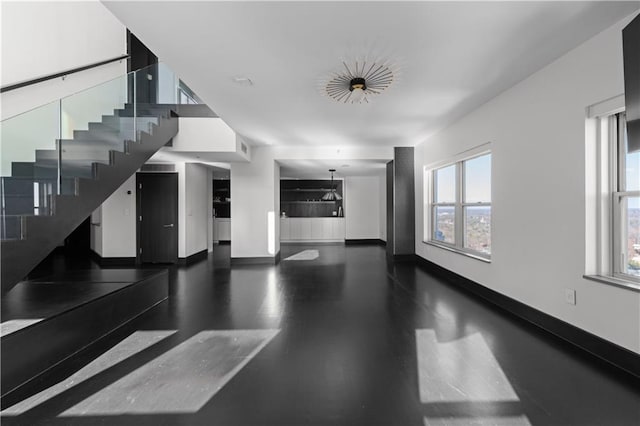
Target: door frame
139,212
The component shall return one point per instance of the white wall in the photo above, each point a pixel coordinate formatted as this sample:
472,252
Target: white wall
276,205
95,235
182,202
254,193
204,134
362,207
537,134
40,38
193,208
210,209
116,235
382,224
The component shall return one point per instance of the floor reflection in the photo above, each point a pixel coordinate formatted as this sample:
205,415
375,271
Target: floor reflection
272,307
131,345
181,380
360,342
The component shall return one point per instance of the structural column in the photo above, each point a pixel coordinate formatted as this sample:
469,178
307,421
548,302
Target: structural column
401,204
255,203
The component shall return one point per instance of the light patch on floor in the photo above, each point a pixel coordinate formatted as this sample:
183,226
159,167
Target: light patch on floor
305,255
12,326
181,380
459,371
478,421
463,371
133,344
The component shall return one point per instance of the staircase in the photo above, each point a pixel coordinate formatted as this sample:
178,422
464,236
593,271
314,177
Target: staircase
74,171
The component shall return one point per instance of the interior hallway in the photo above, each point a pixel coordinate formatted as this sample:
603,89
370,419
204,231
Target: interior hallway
345,338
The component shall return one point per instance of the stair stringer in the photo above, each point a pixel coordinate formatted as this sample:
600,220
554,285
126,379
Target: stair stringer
44,233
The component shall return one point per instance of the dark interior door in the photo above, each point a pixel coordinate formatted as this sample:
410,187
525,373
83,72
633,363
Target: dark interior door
157,217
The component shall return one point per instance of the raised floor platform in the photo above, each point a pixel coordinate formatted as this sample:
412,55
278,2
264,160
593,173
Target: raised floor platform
49,319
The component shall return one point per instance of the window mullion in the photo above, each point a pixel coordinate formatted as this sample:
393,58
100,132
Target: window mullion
459,219
432,211
478,204
621,152
612,186
616,246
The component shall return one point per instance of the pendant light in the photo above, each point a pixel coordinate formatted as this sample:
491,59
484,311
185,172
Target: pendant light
332,195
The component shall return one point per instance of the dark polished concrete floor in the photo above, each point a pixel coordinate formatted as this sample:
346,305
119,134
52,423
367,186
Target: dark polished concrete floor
47,296
345,339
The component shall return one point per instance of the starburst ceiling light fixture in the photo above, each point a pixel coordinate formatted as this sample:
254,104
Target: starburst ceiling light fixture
358,82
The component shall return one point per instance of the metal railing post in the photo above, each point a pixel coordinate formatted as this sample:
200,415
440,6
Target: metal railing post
135,107
59,176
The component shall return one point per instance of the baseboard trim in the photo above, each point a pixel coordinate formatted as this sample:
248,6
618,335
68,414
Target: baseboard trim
196,257
112,261
315,242
223,242
261,260
604,350
365,241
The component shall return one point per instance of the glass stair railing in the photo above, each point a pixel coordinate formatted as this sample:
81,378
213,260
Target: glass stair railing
45,151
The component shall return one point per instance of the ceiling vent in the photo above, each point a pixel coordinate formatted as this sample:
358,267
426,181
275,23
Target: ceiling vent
243,81
158,167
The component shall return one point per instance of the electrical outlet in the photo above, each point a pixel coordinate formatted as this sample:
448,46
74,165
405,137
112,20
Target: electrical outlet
570,296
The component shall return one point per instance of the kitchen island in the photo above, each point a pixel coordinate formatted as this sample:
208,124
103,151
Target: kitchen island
313,229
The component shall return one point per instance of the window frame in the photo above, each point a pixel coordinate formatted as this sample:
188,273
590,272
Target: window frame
459,205
433,206
603,235
618,192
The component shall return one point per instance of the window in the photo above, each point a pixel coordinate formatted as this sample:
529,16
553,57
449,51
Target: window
612,198
459,210
626,205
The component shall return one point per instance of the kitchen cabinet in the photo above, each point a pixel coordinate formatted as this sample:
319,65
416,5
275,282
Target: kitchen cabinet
304,198
221,229
312,229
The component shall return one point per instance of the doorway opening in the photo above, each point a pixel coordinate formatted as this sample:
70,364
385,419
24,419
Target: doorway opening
221,206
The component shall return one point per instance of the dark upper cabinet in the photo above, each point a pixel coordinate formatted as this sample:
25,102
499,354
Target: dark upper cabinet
303,198
222,198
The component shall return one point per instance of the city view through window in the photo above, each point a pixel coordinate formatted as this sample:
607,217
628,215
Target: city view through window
630,209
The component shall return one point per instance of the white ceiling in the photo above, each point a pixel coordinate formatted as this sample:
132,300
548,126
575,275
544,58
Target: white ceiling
452,57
